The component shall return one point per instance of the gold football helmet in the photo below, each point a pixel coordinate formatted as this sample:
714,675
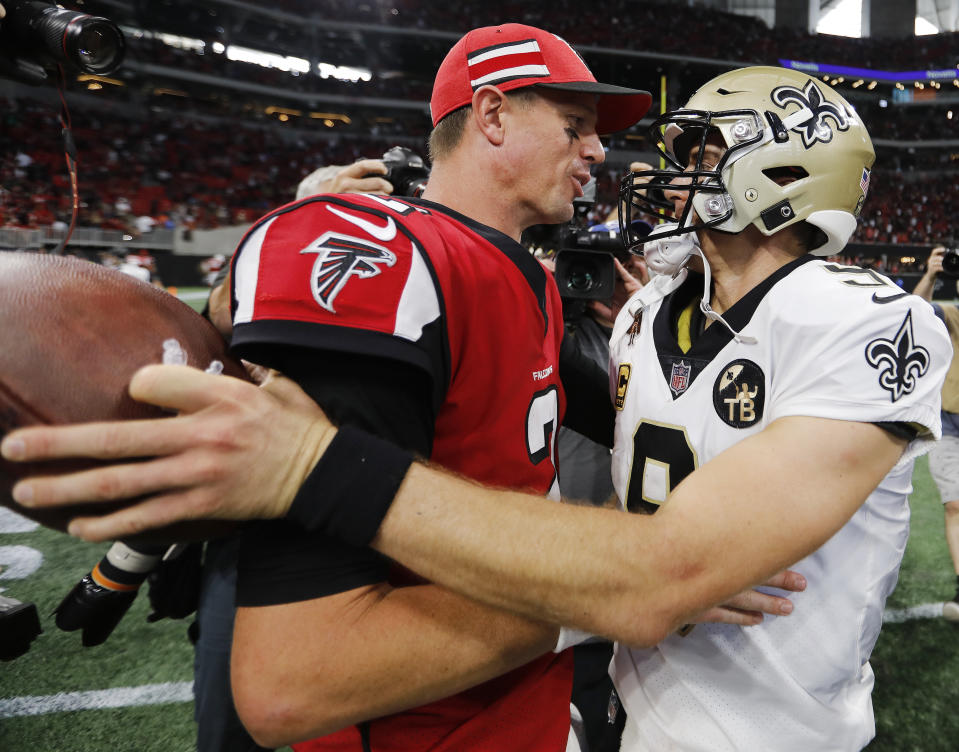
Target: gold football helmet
795,151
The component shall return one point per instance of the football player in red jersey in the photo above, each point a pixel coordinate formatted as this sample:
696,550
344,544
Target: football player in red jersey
424,322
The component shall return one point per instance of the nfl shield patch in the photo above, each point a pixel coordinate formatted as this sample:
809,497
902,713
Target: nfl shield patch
679,377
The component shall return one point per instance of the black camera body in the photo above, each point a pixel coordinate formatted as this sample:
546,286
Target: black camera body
19,626
584,263
37,36
950,263
405,171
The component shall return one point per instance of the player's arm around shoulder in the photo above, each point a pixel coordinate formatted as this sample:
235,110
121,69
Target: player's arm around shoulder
763,505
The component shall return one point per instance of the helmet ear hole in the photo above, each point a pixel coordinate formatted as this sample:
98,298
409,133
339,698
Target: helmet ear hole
785,175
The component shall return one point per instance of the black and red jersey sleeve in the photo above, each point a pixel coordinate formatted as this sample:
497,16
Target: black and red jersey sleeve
341,273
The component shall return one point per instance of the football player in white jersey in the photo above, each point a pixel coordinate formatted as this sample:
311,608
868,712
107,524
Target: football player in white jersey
776,167
768,412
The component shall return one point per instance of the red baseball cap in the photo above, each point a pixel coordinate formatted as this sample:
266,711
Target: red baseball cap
512,56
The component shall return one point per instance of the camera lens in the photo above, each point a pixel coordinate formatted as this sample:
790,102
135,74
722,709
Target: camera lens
950,262
93,44
582,278
96,48
90,43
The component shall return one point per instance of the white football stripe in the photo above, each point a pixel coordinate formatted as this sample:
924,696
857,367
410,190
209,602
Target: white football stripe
519,70
419,304
119,697
509,49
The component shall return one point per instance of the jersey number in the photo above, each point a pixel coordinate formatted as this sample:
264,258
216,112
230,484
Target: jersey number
662,457
855,276
541,424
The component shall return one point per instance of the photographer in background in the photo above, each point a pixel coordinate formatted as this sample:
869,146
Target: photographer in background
944,455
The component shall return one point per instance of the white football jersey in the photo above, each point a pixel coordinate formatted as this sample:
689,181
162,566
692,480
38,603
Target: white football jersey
817,339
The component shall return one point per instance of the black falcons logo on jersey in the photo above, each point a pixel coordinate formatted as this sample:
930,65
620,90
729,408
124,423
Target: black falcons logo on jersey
900,360
339,258
815,128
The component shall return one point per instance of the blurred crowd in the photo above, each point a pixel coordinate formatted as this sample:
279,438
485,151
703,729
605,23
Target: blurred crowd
684,32
650,26
911,123
908,209
219,160
137,175
172,172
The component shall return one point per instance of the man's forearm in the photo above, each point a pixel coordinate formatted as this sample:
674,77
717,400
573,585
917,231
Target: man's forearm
557,562
307,669
925,286
730,525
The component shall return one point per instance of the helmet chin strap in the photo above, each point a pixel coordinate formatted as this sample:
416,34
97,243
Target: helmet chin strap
668,258
743,339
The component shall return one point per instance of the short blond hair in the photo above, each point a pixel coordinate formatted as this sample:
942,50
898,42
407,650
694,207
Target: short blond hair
448,133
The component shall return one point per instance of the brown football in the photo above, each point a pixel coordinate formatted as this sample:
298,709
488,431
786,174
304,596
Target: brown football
73,334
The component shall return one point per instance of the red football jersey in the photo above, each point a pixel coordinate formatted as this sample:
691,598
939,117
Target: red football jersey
411,280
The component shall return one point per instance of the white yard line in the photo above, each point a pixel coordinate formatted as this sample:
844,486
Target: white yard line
119,697
923,611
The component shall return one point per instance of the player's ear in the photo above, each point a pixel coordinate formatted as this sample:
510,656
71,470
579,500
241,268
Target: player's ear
489,103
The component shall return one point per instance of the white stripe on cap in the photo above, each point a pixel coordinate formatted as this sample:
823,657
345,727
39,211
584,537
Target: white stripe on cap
520,71
507,49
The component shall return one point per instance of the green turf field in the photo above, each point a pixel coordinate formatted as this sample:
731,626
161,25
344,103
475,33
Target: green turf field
916,661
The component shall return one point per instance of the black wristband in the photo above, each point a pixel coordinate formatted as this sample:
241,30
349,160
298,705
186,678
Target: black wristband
349,491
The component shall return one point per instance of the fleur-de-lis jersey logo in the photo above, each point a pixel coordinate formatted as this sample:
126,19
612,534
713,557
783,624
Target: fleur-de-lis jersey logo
900,361
340,257
816,128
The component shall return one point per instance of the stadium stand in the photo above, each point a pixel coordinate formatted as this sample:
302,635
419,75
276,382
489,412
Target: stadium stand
207,142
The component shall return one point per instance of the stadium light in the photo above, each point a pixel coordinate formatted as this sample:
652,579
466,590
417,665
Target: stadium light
345,119
283,113
93,78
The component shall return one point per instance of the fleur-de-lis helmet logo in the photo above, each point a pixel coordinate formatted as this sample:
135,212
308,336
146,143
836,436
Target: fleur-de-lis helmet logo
900,360
816,128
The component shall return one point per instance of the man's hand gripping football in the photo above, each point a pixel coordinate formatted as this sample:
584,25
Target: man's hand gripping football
232,451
